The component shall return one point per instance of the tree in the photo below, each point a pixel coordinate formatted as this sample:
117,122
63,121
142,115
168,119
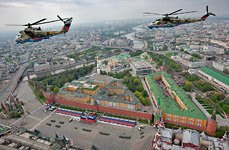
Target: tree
56,90
120,75
220,131
136,53
103,72
105,62
216,96
188,86
137,81
144,93
225,108
196,56
226,71
127,73
137,94
191,77
95,102
131,86
15,115
165,48
125,80
110,74
203,86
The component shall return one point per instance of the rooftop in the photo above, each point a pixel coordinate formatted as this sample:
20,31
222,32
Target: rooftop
4,129
76,93
216,74
145,55
140,64
169,105
74,88
121,57
106,95
191,136
99,78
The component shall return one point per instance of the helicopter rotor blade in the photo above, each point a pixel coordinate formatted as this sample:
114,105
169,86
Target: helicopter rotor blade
68,19
184,12
207,8
60,18
174,12
15,25
148,13
212,14
37,22
51,21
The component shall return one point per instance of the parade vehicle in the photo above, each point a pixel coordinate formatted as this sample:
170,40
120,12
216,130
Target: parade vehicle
170,20
88,117
36,34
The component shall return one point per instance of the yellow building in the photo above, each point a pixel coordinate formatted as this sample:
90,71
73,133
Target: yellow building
176,107
79,91
116,95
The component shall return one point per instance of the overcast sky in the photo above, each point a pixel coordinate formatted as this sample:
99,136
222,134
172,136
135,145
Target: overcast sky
24,11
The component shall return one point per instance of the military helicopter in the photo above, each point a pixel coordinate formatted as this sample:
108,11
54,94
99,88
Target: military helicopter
35,34
169,21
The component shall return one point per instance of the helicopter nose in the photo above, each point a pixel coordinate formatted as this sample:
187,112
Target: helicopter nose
150,26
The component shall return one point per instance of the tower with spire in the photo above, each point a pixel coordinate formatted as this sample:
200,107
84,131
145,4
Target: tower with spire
212,124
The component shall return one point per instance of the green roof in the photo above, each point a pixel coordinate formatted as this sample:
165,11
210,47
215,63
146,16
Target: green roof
145,55
216,74
4,129
121,57
169,105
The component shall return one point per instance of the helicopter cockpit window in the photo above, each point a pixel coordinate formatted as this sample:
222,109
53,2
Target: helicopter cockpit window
157,22
19,35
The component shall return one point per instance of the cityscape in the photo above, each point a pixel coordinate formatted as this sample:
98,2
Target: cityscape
116,85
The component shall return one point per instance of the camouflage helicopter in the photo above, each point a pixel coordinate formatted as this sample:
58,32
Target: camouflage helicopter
169,21
36,34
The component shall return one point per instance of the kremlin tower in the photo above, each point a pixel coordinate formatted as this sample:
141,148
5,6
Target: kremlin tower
212,125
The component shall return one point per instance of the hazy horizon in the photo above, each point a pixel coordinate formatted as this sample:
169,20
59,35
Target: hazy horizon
85,11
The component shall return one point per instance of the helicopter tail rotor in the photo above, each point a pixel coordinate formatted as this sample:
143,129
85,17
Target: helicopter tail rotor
209,13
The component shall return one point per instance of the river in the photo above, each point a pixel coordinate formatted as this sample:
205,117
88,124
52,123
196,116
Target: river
138,44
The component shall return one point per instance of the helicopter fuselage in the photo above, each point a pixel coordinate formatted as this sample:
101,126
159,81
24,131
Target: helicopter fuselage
34,35
168,22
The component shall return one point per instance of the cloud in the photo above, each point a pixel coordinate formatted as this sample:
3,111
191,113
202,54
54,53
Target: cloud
13,4
23,11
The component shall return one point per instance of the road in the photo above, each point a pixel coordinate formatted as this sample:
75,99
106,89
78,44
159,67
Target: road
12,84
24,93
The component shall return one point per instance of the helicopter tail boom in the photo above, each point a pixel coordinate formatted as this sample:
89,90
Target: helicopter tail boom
67,25
204,17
